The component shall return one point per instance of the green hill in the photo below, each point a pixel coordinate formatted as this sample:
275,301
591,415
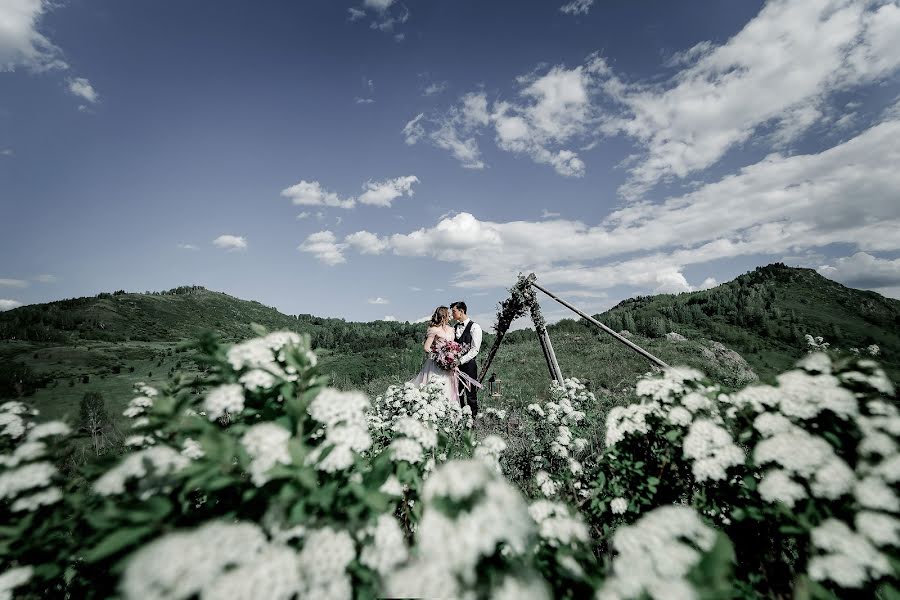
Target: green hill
751,327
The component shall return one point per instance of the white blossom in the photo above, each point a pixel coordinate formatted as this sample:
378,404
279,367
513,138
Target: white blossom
618,506
873,493
712,450
557,525
768,424
24,478
546,484
226,399
267,445
257,379
11,425
392,486
406,449
46,497
332,407
879,528
849,559
191,448
388,547
679,415
777,486
414,429
163,460
12,579
48,429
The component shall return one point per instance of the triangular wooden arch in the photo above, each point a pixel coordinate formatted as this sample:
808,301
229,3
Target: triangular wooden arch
522,299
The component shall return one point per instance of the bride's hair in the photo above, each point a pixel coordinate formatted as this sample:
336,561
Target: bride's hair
440,317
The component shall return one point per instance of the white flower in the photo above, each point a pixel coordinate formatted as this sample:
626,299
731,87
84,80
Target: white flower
184,563
833,479
618,506
45,497
805,396
579,444
163,460
695,402
873,493
557,525
24,453
881,529
712,449
757,397
326,554
12,579
768,424
622,421
333,407
849,559
536,409
795,450
514,588
257,379
48,429
139,441
12,425
273,574
406,449
226,399
777,486
392,486
656,554
191,448
546,484
816,362
873,350
267,445
388,548
456,480
26,477
489,451
425,435
14,406
680,416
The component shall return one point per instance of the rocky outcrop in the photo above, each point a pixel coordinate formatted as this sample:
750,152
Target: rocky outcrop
738,369
675,337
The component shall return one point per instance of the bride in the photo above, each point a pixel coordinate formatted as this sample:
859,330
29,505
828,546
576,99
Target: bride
438,329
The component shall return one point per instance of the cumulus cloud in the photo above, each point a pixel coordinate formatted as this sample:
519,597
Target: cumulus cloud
376,193
81,87
366,243
386,15
862,270
546,214
16,283
7,304
780,205
311,193
383,193
388,318
21,45
325,247
775,75
577,7
230,242
188,247
379,300
551,111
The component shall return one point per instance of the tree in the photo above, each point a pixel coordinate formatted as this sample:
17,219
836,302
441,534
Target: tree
94,419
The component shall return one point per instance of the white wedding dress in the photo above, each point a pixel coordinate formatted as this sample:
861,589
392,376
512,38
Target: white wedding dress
432,373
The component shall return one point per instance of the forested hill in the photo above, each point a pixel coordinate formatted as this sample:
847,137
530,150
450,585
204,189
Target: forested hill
182,313
765,315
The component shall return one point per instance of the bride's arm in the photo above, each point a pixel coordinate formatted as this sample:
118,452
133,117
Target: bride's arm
430,339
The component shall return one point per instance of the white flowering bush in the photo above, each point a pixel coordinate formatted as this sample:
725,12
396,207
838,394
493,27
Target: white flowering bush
258,480
801,475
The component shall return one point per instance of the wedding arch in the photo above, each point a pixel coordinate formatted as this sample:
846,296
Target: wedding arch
523,299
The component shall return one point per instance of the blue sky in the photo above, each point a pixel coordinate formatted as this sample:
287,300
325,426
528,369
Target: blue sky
374,158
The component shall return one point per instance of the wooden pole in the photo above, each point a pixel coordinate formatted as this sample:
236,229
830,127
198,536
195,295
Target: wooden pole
622,339
550,356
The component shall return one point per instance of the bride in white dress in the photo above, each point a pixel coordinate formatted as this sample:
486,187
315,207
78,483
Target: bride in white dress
438,328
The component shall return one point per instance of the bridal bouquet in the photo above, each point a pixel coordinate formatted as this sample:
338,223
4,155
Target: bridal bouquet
446,353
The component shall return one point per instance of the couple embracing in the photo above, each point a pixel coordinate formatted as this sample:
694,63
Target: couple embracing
450,355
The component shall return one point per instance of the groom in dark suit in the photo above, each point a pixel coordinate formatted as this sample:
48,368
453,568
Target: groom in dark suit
467,332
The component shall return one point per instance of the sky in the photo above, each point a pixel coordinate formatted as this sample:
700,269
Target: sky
372,159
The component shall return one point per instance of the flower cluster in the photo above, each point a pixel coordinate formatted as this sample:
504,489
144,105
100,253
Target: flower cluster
446,353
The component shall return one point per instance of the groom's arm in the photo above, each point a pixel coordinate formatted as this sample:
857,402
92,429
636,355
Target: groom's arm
476,344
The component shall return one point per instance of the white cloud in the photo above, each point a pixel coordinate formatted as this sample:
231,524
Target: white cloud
777,72
378,300
546,214
577,7
359,100
46,278
21,45
230,242
7,304
304,215
16,283
435,88
780,205
383,193
311,193
325,247
862,270
387,14
81,87
188,247
366,243
356,14
377,193
709,282
381,5
388,318
552,111
413,288
6,152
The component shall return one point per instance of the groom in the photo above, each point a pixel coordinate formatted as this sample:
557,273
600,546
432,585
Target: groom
467,332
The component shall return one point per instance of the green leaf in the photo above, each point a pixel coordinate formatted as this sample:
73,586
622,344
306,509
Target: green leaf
117,541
